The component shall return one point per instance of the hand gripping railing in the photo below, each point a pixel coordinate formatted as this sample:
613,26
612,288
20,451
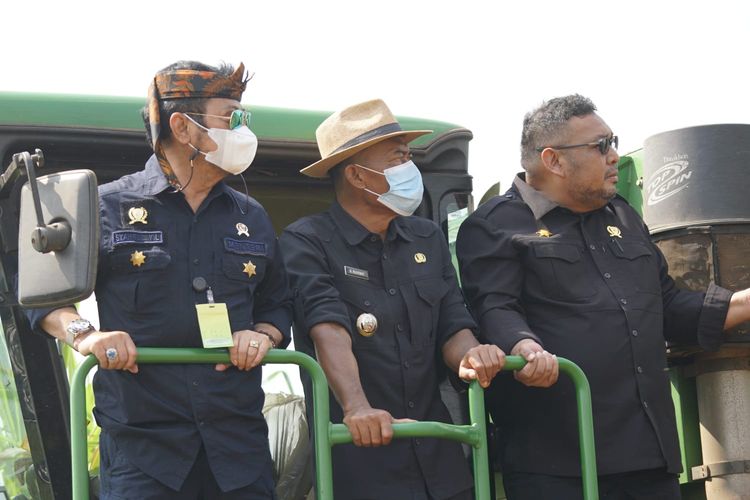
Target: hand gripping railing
327,434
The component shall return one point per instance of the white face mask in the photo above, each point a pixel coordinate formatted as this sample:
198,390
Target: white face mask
235,149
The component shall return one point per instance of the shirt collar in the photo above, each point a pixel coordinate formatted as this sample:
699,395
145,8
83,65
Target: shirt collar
156,182
539,204
354,232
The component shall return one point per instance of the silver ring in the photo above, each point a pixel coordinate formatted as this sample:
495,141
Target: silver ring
254,343
111,353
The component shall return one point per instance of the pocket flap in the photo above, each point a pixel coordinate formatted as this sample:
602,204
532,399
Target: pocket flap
431,290
630,250
562,251
134,260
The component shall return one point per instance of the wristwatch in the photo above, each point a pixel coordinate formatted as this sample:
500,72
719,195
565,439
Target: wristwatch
76,328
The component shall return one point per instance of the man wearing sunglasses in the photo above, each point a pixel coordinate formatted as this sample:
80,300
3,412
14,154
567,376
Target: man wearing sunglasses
562,264
185,261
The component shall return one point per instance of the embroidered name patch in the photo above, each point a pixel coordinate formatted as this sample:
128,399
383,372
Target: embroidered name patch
137,237
244,247
356,273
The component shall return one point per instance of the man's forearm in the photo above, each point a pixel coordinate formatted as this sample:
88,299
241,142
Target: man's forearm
333,348
455,348
55,322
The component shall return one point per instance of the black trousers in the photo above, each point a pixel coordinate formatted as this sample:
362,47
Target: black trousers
654,484
121,480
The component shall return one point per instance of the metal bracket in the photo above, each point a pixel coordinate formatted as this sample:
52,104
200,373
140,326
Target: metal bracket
720,469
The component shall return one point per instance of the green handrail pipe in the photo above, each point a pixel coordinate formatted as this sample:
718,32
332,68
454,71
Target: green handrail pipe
327,434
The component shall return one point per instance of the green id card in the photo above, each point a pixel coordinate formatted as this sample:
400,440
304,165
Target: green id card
213,321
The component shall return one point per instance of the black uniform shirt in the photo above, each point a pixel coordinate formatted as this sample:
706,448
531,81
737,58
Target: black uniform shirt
338,270
160,416
594,289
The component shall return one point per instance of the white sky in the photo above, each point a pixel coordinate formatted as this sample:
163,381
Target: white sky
649,66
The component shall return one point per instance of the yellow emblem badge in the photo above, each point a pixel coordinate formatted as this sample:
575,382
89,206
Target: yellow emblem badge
420,258
137,258
138,214
242,229
614,232
544,233
249,268
367,324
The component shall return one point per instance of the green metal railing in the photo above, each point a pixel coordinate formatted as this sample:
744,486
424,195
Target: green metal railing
327,434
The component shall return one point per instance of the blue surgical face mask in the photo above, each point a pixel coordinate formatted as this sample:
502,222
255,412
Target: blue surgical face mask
406,189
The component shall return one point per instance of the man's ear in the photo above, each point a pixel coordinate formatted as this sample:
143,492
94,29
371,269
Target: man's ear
551,162
353,176
179,123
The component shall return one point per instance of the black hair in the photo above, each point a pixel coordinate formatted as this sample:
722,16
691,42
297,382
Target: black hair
185,105
546,122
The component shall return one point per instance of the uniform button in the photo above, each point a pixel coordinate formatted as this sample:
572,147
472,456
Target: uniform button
399,327
607,275
201,423
406,365
392,291
367,303
645,404
639,369
592,247
417,442
623,301
195,383
411,404
373,238
385,257
196,261
635,333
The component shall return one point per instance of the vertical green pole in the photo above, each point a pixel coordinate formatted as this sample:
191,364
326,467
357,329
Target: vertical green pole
585,428
479,457
78,437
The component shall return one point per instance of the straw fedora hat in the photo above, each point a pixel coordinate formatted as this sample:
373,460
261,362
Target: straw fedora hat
353,129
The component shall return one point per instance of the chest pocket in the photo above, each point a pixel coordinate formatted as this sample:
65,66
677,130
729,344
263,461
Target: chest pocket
361,299
561,271
140,278
636,265
240,275
423,307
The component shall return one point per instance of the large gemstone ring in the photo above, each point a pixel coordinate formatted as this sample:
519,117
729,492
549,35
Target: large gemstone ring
111,353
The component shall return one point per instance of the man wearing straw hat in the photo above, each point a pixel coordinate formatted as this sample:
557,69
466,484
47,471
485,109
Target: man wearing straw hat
185,261
377,302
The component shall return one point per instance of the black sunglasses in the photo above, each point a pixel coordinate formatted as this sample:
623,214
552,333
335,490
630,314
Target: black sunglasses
602,144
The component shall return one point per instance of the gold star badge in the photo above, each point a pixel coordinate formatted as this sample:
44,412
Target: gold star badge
138,214
614,232
137,258
544,233
249,268
420,258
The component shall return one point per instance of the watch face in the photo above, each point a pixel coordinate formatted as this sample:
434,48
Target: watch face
78,326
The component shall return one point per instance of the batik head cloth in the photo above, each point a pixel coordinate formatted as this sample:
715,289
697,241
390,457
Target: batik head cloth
188,83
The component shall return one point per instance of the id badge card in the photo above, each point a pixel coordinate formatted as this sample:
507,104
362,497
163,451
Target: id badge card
213,321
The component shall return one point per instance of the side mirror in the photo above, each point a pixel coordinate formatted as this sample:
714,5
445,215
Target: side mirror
58,236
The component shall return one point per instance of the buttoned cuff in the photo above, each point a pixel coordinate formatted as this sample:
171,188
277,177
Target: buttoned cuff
712,317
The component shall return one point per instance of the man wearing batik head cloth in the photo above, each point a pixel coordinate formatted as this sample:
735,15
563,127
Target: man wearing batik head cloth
175,237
